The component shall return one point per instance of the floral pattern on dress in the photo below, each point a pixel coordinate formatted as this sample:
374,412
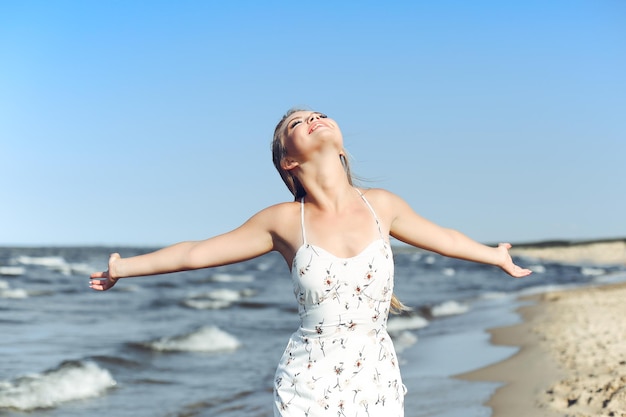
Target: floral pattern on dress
341,361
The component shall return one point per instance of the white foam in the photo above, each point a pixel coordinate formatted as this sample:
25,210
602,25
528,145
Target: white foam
592,272
415,257
403,340
206,304
449,272
7,292
217,299
15,293
430,259
221,277
70,381
12,271
398,324
205,339
449,308
56,263
225,294
538,269
47,261
263,266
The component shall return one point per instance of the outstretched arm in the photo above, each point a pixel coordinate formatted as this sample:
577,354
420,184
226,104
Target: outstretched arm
411,228
252,239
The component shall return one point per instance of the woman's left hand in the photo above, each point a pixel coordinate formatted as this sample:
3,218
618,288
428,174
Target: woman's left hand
508,266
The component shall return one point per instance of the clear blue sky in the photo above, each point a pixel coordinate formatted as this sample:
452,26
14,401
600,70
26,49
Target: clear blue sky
149,122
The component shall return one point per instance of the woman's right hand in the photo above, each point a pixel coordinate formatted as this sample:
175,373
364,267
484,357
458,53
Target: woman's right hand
102,281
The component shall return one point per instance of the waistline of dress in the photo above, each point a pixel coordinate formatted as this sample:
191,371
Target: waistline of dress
343,329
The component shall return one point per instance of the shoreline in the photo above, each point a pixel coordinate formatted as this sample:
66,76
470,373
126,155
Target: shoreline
571,359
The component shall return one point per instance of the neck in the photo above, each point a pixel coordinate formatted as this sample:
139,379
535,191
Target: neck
326,183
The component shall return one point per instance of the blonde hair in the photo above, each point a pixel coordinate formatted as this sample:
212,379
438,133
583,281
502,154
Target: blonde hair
297,190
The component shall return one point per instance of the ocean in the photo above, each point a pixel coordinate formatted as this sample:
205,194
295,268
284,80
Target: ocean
206,343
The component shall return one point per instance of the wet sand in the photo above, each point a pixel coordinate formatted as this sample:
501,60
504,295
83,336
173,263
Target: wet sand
572,358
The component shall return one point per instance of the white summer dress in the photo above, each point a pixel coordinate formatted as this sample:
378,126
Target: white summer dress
341,361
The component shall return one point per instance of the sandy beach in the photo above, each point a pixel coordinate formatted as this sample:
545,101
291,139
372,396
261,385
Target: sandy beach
572,357
605,252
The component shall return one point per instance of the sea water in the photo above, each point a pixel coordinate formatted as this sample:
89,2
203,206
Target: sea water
206,343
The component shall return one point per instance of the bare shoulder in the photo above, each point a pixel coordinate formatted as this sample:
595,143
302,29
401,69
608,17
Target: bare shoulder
382,199
278,214
283,208
378,194
386,204
283,222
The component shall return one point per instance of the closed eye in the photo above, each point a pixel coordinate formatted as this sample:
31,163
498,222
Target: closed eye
294,123
297,121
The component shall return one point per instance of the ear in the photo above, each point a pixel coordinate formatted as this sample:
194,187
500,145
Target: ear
288,163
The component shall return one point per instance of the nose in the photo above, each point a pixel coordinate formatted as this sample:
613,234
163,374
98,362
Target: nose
313,117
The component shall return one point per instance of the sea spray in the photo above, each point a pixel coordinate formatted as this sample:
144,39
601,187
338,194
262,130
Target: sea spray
223,277
7,292
12,271
56,263
400,330
72,380
216,299
449,308
398,324
205,339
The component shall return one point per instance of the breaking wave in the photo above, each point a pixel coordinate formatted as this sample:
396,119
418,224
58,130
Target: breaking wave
56,263
449,308
216,299
205,339
12,271
222,277
72,380
399,324
7,292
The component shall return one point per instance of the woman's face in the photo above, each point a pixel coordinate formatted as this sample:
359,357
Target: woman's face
307,131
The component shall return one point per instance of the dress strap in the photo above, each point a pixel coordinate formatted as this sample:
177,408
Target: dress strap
302,221
380,232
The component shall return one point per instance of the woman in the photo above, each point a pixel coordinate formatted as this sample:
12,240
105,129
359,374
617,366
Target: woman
335,239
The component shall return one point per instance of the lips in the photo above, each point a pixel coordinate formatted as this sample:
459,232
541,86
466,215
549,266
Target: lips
315,125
